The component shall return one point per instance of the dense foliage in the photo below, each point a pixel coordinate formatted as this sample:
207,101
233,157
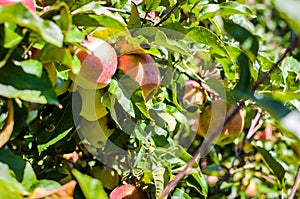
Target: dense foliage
60,140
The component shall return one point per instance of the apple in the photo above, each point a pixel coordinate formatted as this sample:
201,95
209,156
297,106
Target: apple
127,191
213,115
143,69
95,132
109,177
27,3
98,63
92,108
194,93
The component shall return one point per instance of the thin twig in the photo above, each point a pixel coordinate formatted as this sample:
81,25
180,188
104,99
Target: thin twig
207,142
252,130
296,184
289,49
168,15
129,13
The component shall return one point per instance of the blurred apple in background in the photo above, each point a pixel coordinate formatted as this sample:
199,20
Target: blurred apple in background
215,114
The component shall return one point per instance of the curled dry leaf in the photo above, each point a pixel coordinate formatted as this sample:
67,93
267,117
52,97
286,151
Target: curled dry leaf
64,192
9,125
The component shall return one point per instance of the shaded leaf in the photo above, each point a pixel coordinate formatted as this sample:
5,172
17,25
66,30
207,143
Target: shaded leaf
248,41
277,169
134,18
17,84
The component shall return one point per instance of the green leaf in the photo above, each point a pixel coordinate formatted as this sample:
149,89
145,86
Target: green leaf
248,41
13,185
29,177
134,18
151,4
159,181
16,163
12,38
244,83
51,53
42,147
274,107
180,194
93,14
290,65
15,83
18,14
224,9
205,36
161,39
277,169
31,66
91,187
290,11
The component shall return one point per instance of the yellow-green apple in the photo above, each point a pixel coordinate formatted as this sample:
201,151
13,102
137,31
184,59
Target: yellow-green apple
109,177
92,108
27,3
95,132
215,114
143,69
127,191
98,63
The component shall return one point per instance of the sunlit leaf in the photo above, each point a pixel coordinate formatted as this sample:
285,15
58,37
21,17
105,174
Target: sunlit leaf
289,9
20,15
224,9
91,187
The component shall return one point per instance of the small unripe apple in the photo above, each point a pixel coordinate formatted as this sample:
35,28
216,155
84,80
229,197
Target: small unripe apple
98,64
194,93
127,191
27,3
214,115
109,177
143,69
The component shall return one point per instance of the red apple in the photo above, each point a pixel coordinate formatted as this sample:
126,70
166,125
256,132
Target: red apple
98,64
27,3
143,69
127,191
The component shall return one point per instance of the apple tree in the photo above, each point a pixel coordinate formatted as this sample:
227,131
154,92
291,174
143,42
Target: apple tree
149,99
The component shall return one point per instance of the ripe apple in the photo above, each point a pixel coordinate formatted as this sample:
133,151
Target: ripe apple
98,64
194,93
214,115
143,69
27,3
127,191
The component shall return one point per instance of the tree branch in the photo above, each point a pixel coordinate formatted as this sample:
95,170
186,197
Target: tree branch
168,15
296,184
